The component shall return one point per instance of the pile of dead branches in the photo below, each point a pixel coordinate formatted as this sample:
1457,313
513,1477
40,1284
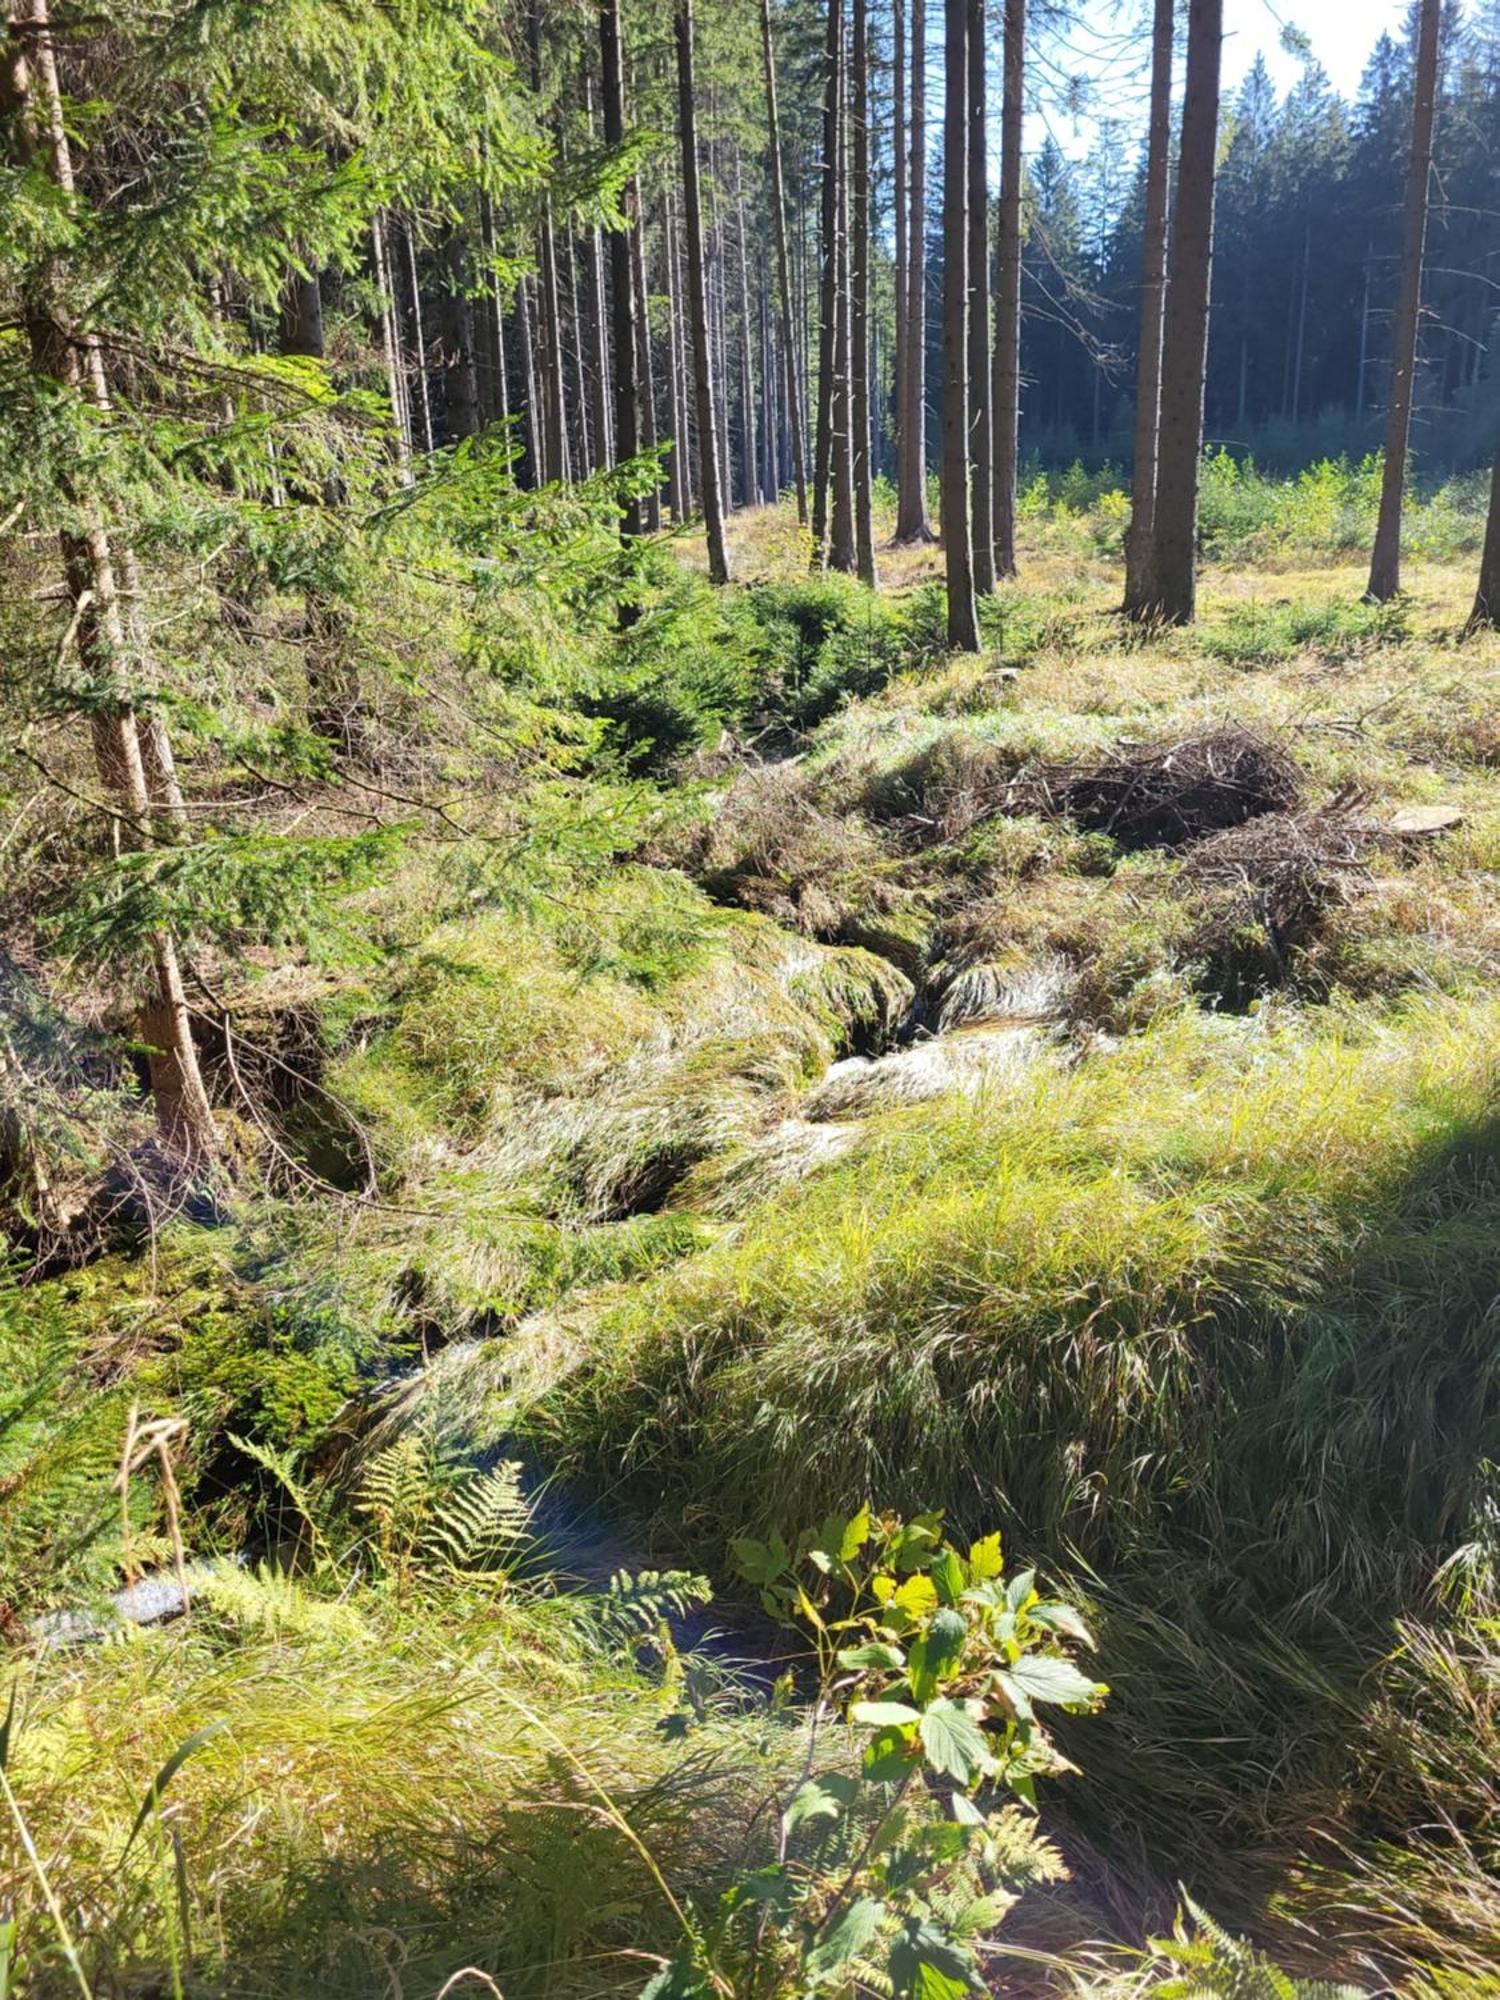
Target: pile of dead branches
1285,869
1168,795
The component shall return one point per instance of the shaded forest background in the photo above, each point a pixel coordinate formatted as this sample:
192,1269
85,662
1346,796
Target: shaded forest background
1307,249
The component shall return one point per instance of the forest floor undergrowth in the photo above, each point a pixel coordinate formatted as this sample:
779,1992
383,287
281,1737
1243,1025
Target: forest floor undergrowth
1060,1086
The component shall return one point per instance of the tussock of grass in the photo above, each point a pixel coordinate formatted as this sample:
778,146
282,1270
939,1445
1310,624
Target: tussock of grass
379,1801
1104,1298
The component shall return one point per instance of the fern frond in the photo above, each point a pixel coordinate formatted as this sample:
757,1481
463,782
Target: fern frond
477,1527
635,1605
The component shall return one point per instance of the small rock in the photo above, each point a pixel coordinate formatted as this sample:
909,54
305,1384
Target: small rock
1423,820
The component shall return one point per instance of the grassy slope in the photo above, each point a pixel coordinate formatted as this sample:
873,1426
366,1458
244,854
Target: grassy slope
1202,1304
1214,1315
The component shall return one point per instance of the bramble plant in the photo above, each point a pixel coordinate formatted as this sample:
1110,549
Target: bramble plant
895,1859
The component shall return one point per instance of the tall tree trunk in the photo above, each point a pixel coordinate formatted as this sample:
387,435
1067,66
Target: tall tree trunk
1385,562
332,689
911,414
645,357
677,460
1138,541
1005,394
582,392
859,291
841,549
549,331
1486,613
828,287
748,440
771,397
599,314
783,267
390,337
419,335
981,422
1364,336
302,315
535,437
958,549
901,270
692,215
622,245
1172,596
31,107
459,376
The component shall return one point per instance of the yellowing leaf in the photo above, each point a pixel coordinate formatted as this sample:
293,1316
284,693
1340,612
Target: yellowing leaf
917,1596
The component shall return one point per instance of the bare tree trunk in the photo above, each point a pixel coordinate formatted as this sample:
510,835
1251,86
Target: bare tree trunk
645,357
184,1118
332,690
419,337
692,210
302,315
859,287
1172,596
677,462
549,328
1153,311
911,414
783,268
1006,372
497,403
963,614
833,51
1385,563
459,376
771,398
580,399
622,244
390,335
981,423
1486,613
1364,336
535,443
748,439
901,271
841,550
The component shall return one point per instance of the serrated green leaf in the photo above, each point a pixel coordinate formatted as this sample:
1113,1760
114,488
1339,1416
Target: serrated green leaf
770,1887
825,1797
759,1562
849,1936
948,1575
856,1534
888,1756
883,1715
936,1653
953,1741
1064,1619
1020,1588
1042,1677
681,1978
874,1654
985,1561
928,1964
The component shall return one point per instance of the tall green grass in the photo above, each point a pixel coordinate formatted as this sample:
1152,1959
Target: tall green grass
1210,1322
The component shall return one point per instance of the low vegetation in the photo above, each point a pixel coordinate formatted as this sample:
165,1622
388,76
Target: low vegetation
1056,1086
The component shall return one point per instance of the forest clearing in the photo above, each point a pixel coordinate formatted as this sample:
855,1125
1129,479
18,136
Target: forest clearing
748,1252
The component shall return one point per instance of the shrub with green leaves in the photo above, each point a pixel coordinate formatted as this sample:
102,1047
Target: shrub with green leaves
894,1861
